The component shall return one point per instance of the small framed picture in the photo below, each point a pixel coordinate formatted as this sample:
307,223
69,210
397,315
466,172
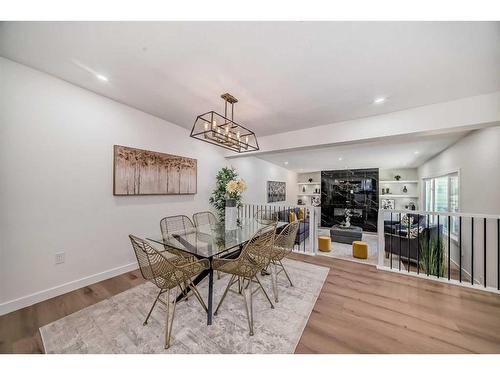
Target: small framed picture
387,204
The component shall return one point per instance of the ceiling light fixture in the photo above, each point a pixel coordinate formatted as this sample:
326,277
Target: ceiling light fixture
102,78
340,159
417,152
286,163
222,131
379,100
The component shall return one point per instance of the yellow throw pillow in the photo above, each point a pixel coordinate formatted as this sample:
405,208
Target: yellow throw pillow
301,214
291,217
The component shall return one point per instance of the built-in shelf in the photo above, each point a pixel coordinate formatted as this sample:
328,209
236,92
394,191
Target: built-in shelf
399,182
398,196
309,183
308,195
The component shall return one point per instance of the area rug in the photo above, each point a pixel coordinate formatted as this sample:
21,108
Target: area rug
115,324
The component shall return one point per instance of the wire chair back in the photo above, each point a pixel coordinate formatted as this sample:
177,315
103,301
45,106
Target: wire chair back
257,251
179,224
154,266
204,218
266,216
285,240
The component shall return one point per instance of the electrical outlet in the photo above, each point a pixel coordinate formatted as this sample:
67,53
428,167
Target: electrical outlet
60,257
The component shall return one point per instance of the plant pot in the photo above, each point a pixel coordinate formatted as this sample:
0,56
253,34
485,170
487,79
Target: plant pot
231,214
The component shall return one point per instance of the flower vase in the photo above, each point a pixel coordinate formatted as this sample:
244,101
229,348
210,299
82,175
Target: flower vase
231,214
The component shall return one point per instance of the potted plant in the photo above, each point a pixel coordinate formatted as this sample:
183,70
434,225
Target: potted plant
397,177
432,257
219,194
227,195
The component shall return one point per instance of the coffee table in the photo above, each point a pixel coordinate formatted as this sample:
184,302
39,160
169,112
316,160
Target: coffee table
339,233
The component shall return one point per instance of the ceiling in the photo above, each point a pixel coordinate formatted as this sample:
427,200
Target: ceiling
286,75
391,153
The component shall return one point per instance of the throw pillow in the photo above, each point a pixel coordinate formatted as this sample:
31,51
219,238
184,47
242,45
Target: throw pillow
405,219
291,217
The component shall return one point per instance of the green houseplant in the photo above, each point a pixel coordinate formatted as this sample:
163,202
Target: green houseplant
432,255
227,186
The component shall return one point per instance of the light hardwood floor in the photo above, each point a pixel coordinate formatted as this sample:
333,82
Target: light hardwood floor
359,310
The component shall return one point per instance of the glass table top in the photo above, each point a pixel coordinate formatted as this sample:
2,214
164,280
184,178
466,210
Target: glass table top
210,240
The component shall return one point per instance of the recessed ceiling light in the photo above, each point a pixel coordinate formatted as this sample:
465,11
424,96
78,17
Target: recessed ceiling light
285,162
340,159
417,152
379,100
102,78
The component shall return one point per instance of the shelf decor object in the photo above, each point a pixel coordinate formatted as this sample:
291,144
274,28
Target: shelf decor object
388,204
223,131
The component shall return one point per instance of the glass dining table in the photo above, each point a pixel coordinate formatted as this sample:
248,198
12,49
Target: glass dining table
209,241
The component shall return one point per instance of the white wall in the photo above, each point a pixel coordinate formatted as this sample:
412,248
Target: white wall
56,161
467,113
256,172
56,185
477,158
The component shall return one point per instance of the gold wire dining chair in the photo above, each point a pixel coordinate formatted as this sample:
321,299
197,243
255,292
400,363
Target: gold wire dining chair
178,224
254,257
266,216
283,245
204,218
170,274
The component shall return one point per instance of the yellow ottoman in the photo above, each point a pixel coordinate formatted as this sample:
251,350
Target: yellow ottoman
359,249
324,243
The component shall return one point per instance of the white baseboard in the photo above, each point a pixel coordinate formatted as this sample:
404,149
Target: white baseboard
43,295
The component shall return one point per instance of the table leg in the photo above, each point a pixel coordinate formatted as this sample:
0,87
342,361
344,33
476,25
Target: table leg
196,281
210,295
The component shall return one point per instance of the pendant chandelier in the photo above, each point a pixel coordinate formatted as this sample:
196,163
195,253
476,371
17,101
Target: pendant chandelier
222,131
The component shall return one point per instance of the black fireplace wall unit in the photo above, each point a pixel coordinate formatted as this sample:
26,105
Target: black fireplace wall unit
354,189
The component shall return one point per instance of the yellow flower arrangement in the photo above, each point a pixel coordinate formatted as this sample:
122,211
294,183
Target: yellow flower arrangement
235,188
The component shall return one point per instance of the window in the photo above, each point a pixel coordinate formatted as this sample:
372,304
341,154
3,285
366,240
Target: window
442,194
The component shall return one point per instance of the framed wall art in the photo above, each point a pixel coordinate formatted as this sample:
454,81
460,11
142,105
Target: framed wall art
276,191
142,172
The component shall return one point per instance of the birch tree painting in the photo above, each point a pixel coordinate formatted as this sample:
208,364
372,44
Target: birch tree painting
141,172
